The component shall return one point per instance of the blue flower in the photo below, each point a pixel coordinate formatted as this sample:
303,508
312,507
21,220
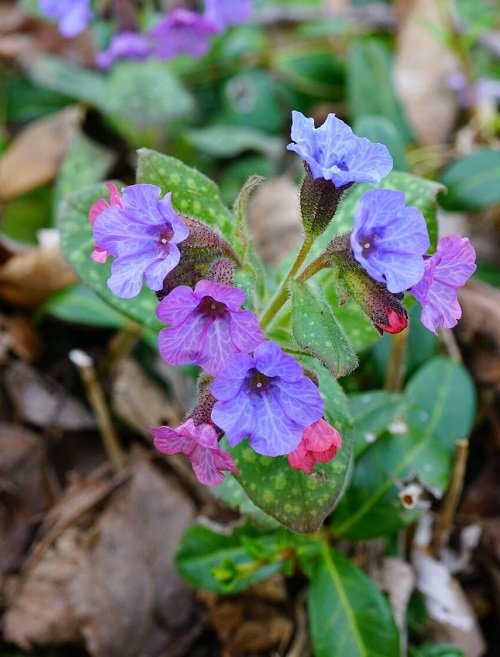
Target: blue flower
333,152
267,398
227,12
72,16
142,235
389,239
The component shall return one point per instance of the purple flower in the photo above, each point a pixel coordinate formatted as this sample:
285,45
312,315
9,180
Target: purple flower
445,271
267,398
200,445
389,239
129,45
227,12
207,326
72,16
182,32
333,152
142,235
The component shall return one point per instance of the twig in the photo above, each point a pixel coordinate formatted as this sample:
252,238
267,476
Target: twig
448,339
121,345
96,398
447,514
396,367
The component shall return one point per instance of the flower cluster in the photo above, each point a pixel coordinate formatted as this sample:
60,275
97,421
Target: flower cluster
389,241
181,31
250,388
259,392
72,16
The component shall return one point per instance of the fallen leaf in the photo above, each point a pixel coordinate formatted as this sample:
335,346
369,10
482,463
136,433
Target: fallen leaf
24,492
139,402
18,336
274,218
34,155
42,402
421,67
109,578
30,277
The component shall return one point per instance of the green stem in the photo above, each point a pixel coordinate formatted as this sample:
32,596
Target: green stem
281,293
314,267
396,368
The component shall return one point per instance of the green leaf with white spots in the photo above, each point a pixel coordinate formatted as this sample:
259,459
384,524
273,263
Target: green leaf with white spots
77,244
441,403
81,305
318,332
230,493
373,412
193,194
298,500
348,615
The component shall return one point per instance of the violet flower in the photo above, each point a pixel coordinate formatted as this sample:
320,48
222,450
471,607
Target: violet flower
200,445
445,271
128,45
389,239
333,152
207,326
227,12
182,32
72,16
142,235
100,255
319,444
266,397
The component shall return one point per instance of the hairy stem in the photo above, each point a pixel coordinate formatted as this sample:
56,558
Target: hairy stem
396,368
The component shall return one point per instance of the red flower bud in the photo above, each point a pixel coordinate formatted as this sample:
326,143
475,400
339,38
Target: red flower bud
320,443
396,322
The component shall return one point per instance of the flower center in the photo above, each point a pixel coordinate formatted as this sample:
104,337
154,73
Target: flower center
342,166
367,243
258,382
166,235
212,308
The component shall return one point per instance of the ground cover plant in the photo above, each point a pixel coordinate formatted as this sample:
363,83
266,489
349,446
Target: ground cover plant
249,328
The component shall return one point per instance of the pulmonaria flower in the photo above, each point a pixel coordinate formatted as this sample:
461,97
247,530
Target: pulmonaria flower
72,16
207,326
267,398
335,153
319,444
200,445
142,235
100,255
128,45
389,239
445,271
227,12
182,32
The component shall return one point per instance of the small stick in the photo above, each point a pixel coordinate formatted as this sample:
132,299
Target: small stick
447,514
448,339
95,395
396,368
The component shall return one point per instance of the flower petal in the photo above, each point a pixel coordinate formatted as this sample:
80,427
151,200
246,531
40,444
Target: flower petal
176,307
246,334
182,344
301,401
229,382
275,433
157,270
272,361
170,441
235,417
232,296
140,203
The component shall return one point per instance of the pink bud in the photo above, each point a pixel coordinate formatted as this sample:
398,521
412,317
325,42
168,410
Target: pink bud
320,443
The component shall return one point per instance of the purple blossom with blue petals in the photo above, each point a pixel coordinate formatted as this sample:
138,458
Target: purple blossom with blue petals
182,32
335,153
389,239
128,45
142,235
227,12
207,326
267,398
445,271
72,16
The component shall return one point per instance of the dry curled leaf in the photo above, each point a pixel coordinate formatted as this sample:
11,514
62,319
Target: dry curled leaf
109,577
41,401
34,155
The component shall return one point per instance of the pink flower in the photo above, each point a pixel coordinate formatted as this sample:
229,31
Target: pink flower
200,445
319,444
445,271
100,255
207,326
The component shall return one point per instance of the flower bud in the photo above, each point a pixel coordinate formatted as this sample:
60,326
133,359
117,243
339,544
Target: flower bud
319,199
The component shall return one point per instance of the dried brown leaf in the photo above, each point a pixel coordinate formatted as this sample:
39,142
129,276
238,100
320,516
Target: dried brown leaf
41,401
111,581
274,218
421,68
34,155
18,336
24,492
30,277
